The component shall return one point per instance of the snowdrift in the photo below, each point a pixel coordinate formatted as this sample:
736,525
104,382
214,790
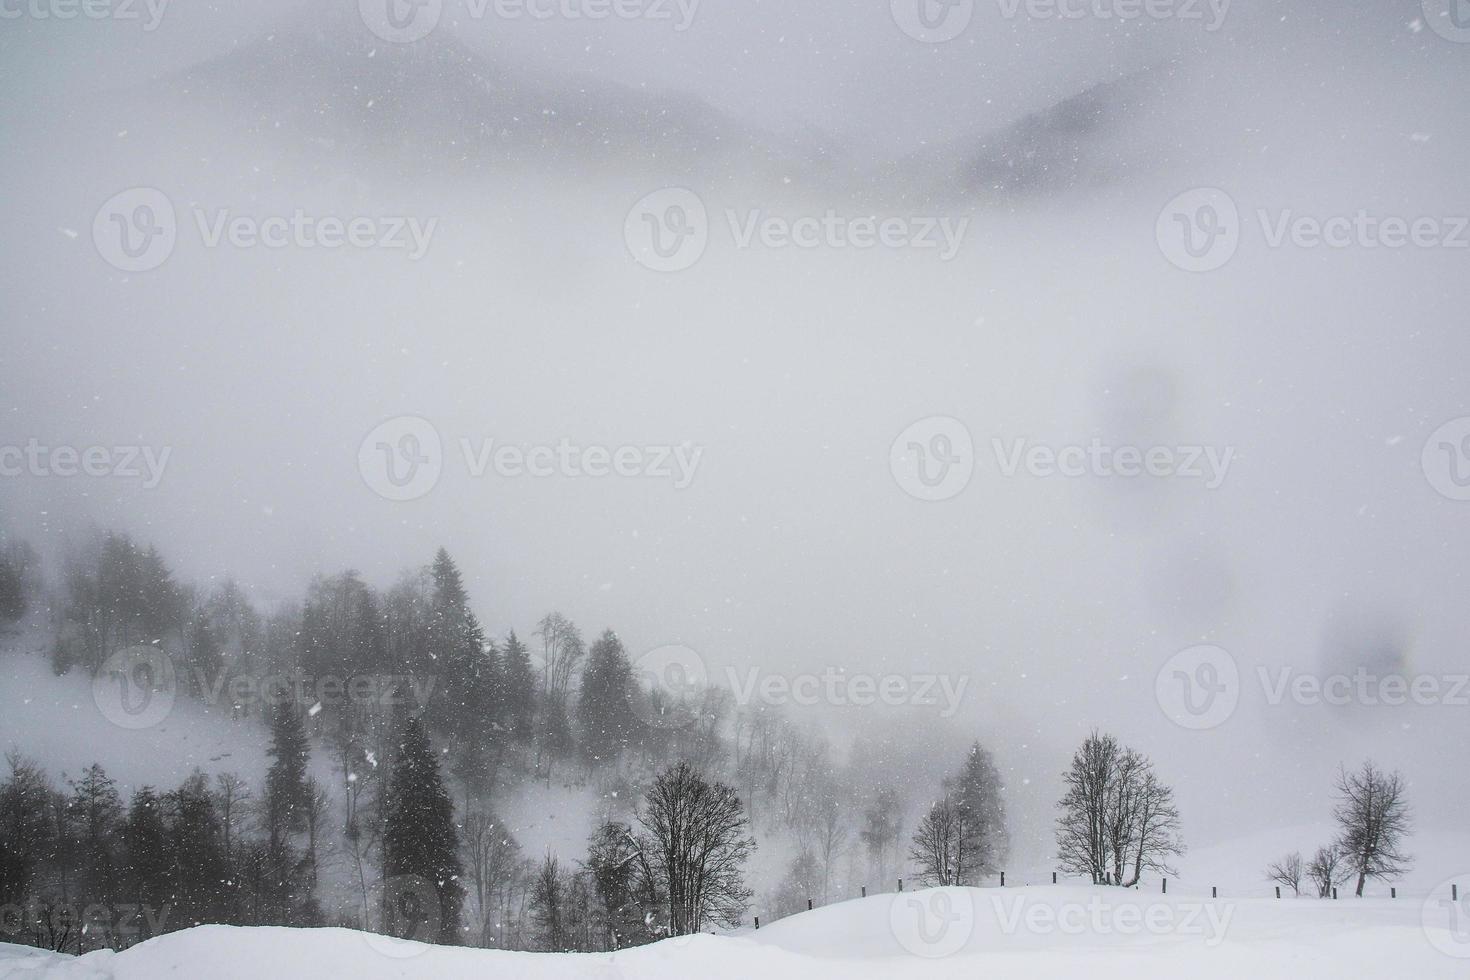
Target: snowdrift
1035,932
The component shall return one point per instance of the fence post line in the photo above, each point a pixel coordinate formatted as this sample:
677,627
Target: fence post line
1053,877
1002,879
1334,893
1214,892
1166,886
1393,893
900,884
808,905
865,891
757,922
1278,891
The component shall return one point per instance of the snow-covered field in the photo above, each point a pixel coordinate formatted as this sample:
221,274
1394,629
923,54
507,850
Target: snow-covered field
1037,931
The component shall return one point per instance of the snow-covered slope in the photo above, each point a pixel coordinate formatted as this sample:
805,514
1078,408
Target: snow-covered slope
1032,932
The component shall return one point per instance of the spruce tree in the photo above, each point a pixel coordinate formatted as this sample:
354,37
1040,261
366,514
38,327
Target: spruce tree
146,844
420,843
604,708
285,783
519,689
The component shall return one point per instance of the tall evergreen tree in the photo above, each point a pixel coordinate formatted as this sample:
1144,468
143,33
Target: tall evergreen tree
146,843
604,708
420,842
518,689
286,793
981,811
95,813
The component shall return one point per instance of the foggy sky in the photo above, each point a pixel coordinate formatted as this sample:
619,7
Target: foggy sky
794,549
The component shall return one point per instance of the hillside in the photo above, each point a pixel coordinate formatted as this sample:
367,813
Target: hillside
1034,932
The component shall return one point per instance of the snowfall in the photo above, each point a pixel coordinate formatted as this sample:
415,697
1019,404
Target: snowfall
1031,928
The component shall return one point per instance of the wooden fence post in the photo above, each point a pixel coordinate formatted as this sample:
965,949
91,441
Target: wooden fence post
1214,892
1053,877
865,891
1002,879
1278,891
1166,886
900,884
808,905
757,922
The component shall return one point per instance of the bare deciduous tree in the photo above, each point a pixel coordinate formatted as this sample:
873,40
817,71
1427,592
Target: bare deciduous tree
1325,870
698,842
1287,871
1374,816
1118,819
939,845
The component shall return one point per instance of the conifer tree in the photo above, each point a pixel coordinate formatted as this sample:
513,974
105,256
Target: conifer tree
420,842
